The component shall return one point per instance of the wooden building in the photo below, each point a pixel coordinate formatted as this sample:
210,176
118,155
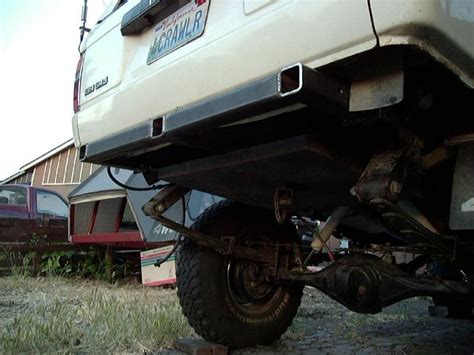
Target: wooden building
59,170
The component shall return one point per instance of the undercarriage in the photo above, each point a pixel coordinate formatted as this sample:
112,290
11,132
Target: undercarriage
363,276
397,178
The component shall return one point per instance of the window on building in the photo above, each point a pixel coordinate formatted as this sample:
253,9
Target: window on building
12,195
51,204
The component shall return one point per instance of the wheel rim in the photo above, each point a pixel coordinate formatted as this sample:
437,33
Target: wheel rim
248,288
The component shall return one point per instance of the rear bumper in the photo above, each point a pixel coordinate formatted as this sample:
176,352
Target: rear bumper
289,89
236,48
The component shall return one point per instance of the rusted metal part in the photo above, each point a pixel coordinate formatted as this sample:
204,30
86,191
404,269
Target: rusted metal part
283,201
386,172
377,180
219,245
379,82
225,245
379,90
382,249
366,284
297,255
164,199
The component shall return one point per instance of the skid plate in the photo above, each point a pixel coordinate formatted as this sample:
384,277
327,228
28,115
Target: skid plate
320,179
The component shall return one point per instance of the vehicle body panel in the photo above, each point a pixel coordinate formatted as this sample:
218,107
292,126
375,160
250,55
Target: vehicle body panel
237,47
29,209
444,28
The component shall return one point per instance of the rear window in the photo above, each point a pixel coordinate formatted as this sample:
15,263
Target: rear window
12,195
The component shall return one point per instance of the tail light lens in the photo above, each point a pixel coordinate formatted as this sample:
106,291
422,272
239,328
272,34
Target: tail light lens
77,85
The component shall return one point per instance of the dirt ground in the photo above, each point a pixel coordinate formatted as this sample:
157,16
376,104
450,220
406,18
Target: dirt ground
322,325
405,328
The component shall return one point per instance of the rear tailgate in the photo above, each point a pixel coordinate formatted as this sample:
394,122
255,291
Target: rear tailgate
128,79
122,48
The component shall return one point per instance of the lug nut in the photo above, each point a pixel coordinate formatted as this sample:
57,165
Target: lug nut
395,187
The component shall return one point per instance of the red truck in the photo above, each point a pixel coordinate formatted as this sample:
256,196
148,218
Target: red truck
27,202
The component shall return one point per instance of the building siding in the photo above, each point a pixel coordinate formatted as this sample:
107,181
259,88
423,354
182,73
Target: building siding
24,178
62,172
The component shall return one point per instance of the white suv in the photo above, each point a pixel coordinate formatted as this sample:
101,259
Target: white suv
359,112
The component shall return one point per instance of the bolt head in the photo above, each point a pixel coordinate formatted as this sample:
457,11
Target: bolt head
395,187
353,191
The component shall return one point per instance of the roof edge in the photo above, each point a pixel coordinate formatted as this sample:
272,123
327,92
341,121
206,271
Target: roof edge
47,154
12,177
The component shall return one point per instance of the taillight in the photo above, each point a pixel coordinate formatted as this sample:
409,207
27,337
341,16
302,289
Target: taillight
77,85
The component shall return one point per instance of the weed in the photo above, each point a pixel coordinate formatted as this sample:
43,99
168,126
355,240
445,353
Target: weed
101,319
66,263
22,270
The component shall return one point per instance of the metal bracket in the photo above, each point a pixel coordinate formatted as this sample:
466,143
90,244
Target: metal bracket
231,241
168,196
163,200
283,201
221,246
386,172
409,229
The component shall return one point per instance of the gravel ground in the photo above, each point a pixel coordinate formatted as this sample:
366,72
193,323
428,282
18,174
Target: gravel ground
405,328
322,325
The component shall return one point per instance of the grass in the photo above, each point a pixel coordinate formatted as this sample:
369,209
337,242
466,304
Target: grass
67,315
89,318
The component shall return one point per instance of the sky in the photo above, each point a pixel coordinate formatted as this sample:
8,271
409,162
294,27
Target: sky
38,57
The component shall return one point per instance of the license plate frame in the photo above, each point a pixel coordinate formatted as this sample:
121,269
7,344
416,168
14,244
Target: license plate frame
178,29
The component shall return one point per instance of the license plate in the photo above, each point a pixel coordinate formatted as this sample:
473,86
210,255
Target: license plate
176,30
